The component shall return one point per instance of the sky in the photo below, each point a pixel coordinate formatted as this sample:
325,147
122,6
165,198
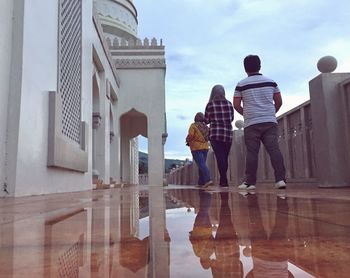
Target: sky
206,42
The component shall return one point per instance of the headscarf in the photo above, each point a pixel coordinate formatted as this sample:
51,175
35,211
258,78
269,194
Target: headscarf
217,93
199,117
199,121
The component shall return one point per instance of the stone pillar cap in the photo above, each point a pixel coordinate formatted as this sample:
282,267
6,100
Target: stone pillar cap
239,124
327,64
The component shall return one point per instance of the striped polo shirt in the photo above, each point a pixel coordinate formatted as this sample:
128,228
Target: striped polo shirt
257,93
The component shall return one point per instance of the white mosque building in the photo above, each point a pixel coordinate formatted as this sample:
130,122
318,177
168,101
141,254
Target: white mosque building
77,86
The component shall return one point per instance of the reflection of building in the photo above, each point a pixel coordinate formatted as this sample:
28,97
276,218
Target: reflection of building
101,233
77,87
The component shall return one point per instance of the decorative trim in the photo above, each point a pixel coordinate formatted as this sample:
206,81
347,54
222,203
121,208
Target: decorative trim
140,63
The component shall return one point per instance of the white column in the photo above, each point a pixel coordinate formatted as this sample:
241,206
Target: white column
125,158
159,245
103,136
155,155
6,13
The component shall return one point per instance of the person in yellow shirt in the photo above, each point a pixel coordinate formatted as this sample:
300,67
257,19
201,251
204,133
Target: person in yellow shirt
197,140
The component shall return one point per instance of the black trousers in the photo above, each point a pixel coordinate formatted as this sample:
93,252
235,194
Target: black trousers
222,151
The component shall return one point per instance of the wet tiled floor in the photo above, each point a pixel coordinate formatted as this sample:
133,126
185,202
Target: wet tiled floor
177,231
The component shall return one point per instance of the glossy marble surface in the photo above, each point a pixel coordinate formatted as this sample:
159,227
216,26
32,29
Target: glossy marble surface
177,231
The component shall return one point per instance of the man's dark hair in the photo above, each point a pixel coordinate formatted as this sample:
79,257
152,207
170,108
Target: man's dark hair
252,63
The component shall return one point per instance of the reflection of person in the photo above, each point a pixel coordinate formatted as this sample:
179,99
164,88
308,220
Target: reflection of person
261,99
226,263
197,139
270,253
201,236
219,114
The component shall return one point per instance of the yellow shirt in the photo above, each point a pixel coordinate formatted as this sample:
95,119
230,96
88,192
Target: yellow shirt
196,139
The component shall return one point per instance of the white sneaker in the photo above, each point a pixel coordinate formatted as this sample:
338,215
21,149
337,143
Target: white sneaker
246,186
280,185
209,183
245,194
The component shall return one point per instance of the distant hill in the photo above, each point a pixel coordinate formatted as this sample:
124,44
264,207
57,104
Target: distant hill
169,163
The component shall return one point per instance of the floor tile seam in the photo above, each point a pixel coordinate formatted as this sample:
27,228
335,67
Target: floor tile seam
28,203
314,219
304,217
311,196
314,196
308,197
17,212
37,215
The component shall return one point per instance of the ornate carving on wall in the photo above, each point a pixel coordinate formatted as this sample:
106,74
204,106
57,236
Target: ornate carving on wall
69,66
140,63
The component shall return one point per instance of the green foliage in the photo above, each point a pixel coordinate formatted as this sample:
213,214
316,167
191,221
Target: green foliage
168,165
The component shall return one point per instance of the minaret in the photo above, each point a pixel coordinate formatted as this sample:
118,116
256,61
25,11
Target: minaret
141,68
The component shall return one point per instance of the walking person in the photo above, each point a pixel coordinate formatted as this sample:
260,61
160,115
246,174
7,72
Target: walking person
197,140
275,262
226,246
219,115
201,236
261,100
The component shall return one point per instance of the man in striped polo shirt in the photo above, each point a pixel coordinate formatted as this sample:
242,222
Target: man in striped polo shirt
261,100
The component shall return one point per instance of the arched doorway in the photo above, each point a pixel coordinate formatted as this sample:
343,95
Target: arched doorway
132,124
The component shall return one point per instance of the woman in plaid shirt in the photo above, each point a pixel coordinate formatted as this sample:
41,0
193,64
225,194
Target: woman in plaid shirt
219,114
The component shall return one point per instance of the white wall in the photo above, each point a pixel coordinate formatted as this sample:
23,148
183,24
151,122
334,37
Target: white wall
144,90
39,77
6,13
32,37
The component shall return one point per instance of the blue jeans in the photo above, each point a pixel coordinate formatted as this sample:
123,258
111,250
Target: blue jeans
222,150
200,157
267,134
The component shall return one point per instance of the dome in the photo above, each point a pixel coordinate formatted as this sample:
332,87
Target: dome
118,18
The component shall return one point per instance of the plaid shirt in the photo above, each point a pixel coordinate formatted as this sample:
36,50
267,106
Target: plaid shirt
219,114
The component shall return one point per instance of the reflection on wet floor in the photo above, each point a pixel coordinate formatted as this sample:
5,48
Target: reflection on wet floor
177,231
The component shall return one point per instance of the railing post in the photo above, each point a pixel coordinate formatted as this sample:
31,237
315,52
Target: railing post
332,159
286,138
237,154
304,145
